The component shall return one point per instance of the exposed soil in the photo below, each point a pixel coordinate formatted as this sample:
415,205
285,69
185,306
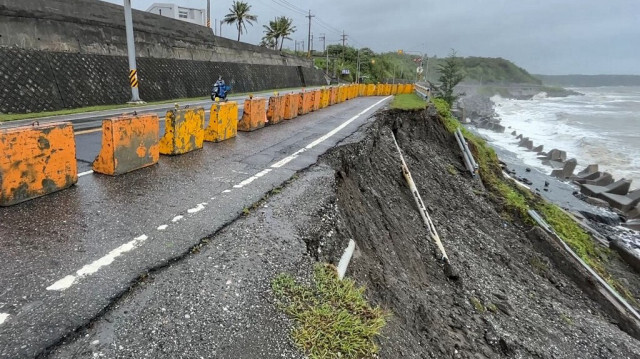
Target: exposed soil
511,300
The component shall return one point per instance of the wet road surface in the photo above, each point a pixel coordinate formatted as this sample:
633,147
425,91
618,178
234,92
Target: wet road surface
65,257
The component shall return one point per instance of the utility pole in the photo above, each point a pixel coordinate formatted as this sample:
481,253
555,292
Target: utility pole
358,68
131,52
311,43
344,39
209,13
309,35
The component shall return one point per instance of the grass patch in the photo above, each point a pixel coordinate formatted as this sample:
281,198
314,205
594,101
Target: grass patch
408,102
518,202
451,169
477,304
333,319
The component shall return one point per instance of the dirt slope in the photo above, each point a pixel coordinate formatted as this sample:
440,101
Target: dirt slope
510,302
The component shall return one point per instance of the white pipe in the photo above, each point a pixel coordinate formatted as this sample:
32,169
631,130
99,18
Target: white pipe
467,163
345,259
466,148
421,207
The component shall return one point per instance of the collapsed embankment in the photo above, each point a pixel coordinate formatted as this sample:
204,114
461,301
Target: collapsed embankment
512,298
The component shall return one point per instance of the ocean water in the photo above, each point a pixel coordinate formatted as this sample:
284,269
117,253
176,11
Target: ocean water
602,126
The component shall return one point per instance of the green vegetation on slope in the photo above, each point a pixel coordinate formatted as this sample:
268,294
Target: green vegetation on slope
496,70
518,202
408,102
333,319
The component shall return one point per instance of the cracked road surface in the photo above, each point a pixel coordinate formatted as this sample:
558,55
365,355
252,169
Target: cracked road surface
67,256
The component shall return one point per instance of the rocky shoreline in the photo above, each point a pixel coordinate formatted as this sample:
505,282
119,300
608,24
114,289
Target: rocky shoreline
596,198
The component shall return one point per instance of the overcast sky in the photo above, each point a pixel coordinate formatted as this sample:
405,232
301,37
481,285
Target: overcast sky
546,37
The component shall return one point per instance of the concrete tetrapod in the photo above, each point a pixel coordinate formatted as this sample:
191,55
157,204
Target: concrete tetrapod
129,143
618,187
567,169
35,161
603,179
590,172
622,202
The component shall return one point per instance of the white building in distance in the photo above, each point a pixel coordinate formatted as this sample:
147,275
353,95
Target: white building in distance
196,16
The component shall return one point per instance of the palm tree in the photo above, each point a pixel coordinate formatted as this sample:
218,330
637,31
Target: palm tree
279,29
239,14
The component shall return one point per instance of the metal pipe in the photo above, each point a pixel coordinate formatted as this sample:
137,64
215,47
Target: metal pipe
467,163
131,52
466,148
345,259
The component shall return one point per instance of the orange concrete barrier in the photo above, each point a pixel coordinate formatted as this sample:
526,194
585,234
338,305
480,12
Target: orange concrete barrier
412,88
394,89
317,98
402,89
35,161
128,144
333,95
254,115
325,98
387,89
291,106
362,90
371,90
184,131
340,97
380,90
305,103
223,122
275,109
354,90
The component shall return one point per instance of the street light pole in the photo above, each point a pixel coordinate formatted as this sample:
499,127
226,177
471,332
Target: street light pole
131,52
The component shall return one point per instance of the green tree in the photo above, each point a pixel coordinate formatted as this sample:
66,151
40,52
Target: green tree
239,14
451,74
279,29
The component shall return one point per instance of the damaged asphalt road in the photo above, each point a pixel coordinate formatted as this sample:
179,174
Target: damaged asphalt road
67,256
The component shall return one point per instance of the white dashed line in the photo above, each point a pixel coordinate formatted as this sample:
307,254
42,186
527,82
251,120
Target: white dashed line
197,209
85,173
177,218
162,227
226,191
3,317
253,178
95,266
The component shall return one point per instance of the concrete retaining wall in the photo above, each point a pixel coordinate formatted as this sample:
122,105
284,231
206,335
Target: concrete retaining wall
34,81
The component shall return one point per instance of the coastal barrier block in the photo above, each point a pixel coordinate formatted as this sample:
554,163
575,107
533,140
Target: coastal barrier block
128,143
254,115
184,131
567,169
519,137
35,161
619,187
354,91
223,122
590,172
317,97
387,89
379,89
371,90
325,97
394,89
291,106
333,96
305,103
538,149
514,133
275,110
622,202
341,94
603,179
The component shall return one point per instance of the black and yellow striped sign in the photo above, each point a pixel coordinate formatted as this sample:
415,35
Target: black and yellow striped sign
133,78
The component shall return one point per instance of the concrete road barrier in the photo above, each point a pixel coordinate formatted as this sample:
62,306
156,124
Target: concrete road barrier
371,90
223,122
333,96
340,96
325,97
317,98
305,102
291,106
362,90
379,90
184,131
275,110
254,115
129,143
394,89
35,161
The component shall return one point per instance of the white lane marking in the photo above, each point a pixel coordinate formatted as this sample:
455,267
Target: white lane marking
177,218
95,266
197,209
3,317
226,191
288,159
252,178
85,173
162,227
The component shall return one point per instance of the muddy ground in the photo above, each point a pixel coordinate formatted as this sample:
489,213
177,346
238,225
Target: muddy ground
510,300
